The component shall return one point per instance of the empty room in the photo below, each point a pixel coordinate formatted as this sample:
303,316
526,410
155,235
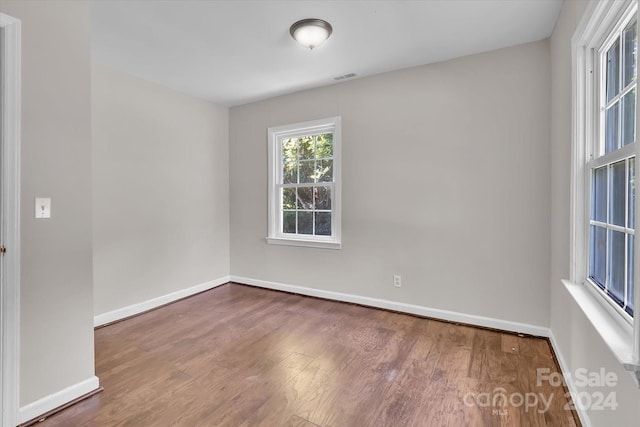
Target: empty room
319,213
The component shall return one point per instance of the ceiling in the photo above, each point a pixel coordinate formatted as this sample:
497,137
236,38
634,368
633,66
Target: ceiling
239,51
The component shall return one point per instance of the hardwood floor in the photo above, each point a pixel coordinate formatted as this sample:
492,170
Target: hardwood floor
243,356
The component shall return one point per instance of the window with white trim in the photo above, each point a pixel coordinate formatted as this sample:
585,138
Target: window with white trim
611,168
304,184
604,263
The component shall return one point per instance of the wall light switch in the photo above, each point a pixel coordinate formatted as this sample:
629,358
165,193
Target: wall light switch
43,207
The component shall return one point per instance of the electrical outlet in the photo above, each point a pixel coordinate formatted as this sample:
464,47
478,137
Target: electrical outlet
397,280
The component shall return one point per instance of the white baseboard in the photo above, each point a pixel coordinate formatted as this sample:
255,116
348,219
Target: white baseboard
131,310
436,313
55,400
568,379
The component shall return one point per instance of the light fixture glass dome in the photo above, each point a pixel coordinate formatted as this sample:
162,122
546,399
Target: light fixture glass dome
311,33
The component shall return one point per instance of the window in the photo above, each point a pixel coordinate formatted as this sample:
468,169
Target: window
612,168
304,184
604,262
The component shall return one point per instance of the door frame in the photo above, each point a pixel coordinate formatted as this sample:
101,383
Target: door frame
10,225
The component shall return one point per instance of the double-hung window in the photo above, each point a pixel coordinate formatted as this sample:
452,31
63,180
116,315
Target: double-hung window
304,184
605,263
612,169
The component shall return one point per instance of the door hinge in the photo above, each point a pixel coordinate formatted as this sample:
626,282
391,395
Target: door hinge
3,250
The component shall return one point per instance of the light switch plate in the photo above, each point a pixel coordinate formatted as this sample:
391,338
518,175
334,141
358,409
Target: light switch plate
43,207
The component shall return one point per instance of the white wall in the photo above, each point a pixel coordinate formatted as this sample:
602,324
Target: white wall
446,181
161,190
56,338
580,344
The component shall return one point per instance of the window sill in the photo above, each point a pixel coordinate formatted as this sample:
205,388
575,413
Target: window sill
617,334
324,244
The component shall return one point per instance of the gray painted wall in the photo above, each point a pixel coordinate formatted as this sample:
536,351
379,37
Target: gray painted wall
56,272
160,190
445,181
579,343
420,148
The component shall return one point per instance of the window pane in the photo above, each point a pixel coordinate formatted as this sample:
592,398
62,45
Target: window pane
305,222
288,198
617,193
325,170
289,174
615,274
632,193
629,47
289,161
611,129
629,117
613,67
289,222
307,171
290,148
324,146
306,149
630,274
305,198
598,254
323,198
323,223
599,195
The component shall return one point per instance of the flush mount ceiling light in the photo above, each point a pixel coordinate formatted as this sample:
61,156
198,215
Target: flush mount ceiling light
311,33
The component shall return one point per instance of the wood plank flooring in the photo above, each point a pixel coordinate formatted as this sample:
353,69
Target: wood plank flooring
243,356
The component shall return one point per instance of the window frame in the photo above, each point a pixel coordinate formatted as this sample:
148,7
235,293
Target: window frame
600,23
275,137
596,155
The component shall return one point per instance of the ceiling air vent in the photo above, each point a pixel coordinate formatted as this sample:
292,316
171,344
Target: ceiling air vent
346,76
